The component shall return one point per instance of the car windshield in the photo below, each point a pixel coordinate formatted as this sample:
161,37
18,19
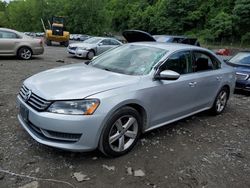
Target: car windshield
93,40
242,58
130,59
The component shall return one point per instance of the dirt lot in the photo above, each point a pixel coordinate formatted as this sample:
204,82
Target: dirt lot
200,151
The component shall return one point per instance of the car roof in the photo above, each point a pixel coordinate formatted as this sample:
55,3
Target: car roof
169,46
6,29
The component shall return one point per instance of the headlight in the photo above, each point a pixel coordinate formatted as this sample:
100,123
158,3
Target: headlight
77,107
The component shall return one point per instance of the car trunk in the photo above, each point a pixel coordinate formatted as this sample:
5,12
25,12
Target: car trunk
137,36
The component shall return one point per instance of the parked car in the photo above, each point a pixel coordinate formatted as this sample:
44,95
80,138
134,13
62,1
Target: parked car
163,38
40,34
223,52
129,90
71,36
84,37
92,47
14,43
241,63
76,37
177,39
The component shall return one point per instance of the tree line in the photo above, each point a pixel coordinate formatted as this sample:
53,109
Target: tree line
210,20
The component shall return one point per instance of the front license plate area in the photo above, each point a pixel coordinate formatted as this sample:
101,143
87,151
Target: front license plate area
24,112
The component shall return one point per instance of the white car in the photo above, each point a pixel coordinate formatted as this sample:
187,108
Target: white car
92,47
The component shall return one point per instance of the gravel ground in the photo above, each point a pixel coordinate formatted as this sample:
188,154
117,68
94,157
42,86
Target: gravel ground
200,151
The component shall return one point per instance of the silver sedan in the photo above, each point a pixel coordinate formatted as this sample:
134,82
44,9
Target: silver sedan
92,47
127,91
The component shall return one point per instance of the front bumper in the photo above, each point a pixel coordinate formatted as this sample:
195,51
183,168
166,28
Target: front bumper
67,132
71,51
243,85
81,53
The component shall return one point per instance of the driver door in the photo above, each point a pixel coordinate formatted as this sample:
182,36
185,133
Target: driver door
173,99
103,46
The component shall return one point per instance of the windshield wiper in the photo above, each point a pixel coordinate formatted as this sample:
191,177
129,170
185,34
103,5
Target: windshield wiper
106,69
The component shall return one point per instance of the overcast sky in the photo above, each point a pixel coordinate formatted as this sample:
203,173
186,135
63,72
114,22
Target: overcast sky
6,0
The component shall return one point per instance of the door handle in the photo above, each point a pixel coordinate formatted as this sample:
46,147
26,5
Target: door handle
219,78
192,84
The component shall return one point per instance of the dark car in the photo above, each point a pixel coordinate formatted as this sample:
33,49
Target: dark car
241,62
138,35
177,39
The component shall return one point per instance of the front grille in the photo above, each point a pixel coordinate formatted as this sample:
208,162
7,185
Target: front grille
33,100
241,76
57,31
53,135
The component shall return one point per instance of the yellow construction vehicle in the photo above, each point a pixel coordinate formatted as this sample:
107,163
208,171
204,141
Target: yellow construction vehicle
56,32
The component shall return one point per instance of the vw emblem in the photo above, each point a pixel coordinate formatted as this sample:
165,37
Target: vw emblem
27,95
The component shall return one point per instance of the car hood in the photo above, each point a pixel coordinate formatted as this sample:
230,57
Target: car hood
240,68
243,69
82,45
137,36
76,81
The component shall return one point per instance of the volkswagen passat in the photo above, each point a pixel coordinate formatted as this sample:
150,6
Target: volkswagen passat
127,91
14,43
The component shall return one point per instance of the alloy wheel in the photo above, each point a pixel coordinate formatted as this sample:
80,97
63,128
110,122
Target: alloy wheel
91,55
123,133
221,101
26,54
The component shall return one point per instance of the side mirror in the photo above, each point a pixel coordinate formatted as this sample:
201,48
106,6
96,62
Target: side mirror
167,75
100,44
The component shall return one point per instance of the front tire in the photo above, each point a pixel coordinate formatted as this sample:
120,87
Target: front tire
121,132
24,53
220,101
90,54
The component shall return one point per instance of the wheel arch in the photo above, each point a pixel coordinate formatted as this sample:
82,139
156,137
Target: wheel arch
130,103
227,87
23,46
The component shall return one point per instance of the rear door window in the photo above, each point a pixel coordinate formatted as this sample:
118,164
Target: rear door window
203,61
8,35
106,42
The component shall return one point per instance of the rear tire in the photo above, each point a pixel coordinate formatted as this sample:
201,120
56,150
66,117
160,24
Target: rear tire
121,132
220,102
24,53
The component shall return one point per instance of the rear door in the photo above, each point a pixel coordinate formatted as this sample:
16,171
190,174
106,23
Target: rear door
207,78
8,42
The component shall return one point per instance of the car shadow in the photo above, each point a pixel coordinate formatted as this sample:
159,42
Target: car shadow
242,92
150,136
11,58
